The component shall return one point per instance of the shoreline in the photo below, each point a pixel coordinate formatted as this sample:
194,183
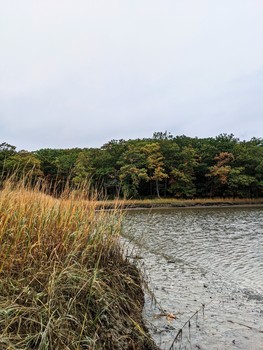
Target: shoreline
173,204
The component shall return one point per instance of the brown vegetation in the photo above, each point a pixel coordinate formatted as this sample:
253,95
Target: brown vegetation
65,283
177,203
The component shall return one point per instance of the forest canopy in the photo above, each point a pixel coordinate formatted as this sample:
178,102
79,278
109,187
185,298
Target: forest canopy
163,165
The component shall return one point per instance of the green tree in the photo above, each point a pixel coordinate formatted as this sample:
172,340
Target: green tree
133,169
80,169
182,176
170,152
23,163
103,167
155,164
240,183
248,156
6,151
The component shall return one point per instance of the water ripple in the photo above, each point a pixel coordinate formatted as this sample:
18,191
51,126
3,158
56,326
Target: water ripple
219,248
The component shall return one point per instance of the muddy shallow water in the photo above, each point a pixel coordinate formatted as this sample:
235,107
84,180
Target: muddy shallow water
204,265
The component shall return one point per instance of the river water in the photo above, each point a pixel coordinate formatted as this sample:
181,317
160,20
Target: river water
204,265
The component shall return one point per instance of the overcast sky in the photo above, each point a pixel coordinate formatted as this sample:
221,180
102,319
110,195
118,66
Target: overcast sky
80,73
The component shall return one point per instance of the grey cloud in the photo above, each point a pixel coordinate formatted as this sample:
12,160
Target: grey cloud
84,72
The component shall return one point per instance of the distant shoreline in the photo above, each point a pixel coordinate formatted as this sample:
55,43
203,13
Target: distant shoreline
174,203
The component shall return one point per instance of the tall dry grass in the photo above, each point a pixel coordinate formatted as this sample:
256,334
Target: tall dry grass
64,282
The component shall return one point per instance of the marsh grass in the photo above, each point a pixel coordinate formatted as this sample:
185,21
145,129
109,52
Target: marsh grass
174,202
64,280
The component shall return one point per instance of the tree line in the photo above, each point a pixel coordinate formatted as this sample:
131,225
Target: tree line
163,165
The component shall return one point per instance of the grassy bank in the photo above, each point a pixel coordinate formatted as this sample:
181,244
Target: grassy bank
64,281
177,203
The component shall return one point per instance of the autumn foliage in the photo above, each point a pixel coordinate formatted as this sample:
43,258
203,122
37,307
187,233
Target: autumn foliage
163,165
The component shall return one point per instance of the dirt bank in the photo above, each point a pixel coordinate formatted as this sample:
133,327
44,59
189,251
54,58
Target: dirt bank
76,309
124,329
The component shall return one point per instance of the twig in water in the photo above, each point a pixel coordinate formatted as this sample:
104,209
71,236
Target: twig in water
180,332
244,325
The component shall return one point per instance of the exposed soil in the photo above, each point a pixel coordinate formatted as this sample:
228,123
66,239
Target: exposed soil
125,329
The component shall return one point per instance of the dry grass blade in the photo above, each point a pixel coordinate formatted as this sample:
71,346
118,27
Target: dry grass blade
64,281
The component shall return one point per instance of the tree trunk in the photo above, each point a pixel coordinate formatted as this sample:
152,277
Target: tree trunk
157,188
165,187
151,188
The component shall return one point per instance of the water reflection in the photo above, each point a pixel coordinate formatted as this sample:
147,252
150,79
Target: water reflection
211,256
